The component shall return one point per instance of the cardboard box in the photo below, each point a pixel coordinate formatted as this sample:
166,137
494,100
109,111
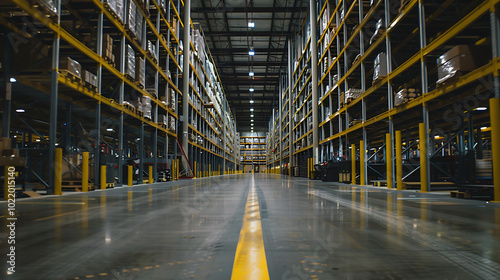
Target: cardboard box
452,63
6,143
140,71
70,65
405,95
90,78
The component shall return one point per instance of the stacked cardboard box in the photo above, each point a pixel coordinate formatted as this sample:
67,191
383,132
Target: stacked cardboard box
172,123
140,71
352,94
90,79
71,66
130,62
116,7
137,104
379,29
152,50
171,100
49,6
380,66
174,25
454,62
107,48
405,95
163,119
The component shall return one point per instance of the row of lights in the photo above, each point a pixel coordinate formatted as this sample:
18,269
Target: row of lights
251,52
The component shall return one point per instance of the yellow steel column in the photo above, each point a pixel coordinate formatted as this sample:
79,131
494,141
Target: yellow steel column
388,160
495,145
353,164
209,170
103,177
130,175
150,181
58,171
423,158
177,169
85,172
399,161
194,173
362,162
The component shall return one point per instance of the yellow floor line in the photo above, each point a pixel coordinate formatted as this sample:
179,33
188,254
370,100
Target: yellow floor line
250,260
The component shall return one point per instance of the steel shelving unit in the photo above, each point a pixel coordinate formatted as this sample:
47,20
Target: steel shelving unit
382,99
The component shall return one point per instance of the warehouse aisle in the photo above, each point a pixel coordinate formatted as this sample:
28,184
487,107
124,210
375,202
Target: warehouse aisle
310,230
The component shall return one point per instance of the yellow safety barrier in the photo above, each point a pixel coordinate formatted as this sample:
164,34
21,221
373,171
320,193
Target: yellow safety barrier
150,181
58,172
423,158
388,160
399,160
353,164
103,177
362,162
85,172
130,175
495,145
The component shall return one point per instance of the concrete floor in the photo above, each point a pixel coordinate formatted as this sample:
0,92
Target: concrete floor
310,230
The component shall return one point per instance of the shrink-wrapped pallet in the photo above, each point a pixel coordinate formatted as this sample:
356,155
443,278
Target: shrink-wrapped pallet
130,62
146,106
70,65
140,71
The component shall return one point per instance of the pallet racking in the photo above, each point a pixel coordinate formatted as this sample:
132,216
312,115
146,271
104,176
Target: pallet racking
383,84
252,153
104,77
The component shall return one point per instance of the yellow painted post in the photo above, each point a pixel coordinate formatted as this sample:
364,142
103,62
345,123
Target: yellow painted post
388,160
362,162
209,170
399,160
308,168
172,169
353,164
103,177
177,168
194,173
423,158
150,181
130,175
85,172
58,172
495,145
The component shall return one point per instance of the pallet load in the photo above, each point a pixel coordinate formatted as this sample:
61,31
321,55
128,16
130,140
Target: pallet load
146,106
138,106
352,94
171,123
90,80
379,29
70,66
406,95
116,8
152,50
172,99
48,6
139,22
163,119
140,72
130,62
380,67
454,62
107,49
131,16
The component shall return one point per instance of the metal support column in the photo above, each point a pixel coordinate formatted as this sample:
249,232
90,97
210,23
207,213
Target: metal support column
314,79
185,79
141,155
353,164
54,92
97,161
389,160
121,151
362,163
424,131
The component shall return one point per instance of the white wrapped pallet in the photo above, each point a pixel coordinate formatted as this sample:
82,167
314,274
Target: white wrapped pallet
130,62
140,71
132,17
146,106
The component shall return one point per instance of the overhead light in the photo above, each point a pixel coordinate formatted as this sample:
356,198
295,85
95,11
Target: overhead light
481,108
251,73
251,120
251,24
251,89
251,109
20,111
13,80
109,129
138,139
251,101
251,116
483,128
251,52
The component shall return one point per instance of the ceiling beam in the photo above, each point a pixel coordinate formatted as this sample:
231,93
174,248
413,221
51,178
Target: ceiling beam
246,34
250,63
244,10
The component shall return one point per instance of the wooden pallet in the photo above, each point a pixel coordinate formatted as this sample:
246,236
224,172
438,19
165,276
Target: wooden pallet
139,112
71,75
416,185
127,75
379,79
108,60
139,85
130,108
459,194
162,125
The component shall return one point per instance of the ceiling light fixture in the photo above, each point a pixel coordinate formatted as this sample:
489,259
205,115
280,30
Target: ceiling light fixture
251,24
251,120
481,108
251,109
251,101
13,80
20,111
251,116
109,129
251,74
251,52
251,89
